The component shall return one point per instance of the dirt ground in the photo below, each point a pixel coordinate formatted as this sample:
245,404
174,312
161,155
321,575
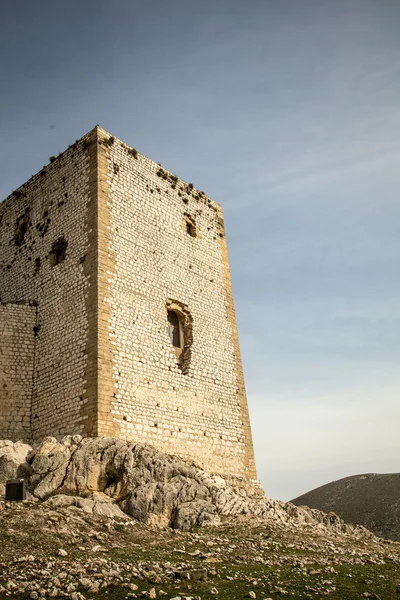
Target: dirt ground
68,553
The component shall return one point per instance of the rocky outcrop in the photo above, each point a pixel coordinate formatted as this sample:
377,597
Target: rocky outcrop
93,507
49,466
13,461
108,474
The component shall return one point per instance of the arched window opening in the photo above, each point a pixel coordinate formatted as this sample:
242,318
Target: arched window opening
180,333
190,230
175,329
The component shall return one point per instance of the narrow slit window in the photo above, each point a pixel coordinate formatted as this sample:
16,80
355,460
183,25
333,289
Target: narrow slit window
175,329
180,333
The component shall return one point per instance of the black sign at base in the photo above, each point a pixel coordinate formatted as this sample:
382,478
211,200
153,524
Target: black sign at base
15,490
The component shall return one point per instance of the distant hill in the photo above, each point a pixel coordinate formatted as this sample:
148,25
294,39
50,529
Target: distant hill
371,500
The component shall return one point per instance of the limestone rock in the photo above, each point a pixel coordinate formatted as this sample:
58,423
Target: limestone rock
200,512
49,467
111,476
95,507
13,461
98,465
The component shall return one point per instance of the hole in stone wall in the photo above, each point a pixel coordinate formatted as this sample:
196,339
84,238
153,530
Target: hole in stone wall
190,226
180,333
175,329
21,227
190,229
58,252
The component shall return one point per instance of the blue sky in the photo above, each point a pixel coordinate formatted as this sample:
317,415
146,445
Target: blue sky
288,114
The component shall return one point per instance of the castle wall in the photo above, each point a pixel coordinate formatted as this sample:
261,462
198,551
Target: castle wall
148,258
17,351
53,205
93,251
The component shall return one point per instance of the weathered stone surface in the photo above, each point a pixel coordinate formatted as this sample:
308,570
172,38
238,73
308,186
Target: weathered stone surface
44,331
13,461
108,475
49,467
17,339
198,512
97,249
98,465
95,507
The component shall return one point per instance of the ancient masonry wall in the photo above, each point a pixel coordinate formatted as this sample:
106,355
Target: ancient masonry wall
93,249
53,206
148,260
17,351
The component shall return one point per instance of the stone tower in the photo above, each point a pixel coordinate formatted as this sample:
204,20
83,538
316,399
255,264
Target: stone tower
116,310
